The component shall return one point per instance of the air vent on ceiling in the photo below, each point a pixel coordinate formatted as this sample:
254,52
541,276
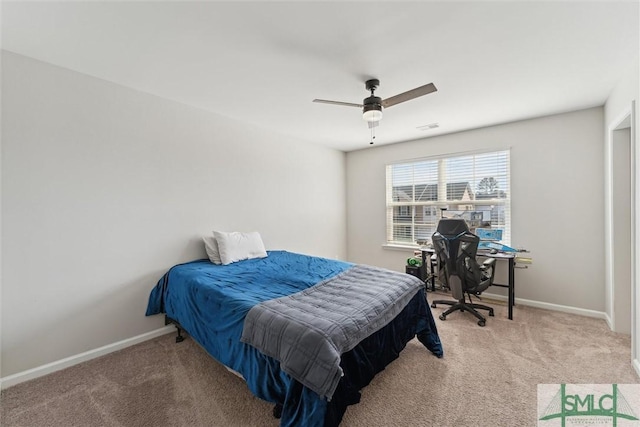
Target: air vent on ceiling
429,126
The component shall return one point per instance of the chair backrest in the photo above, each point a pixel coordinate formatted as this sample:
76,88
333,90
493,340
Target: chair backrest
446,241
466,265
456,248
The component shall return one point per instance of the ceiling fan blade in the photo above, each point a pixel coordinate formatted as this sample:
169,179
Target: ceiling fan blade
409,95
346,104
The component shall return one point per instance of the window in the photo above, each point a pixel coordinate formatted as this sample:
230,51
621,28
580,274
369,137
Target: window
473,186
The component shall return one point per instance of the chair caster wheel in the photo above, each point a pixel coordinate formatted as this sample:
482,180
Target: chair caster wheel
179,339
491,313
442,317
481,322
433,305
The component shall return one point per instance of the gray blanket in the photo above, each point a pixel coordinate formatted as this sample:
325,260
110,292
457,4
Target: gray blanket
308,331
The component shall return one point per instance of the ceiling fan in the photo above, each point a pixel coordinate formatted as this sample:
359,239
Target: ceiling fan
372,106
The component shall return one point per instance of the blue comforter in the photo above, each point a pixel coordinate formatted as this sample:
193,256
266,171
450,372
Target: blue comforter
211,301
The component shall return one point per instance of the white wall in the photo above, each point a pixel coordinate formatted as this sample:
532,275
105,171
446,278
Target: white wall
104,188
557,202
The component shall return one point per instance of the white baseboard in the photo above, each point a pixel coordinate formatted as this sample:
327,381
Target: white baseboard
550,306
609,320
636,366
67,362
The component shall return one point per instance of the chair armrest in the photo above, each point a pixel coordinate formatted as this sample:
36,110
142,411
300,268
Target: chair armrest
489,262
488,270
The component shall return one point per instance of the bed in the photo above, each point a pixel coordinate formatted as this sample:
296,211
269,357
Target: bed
229,309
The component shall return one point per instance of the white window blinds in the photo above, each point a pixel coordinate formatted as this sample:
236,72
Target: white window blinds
472,186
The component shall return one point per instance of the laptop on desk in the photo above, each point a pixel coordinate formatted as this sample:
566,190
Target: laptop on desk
490,240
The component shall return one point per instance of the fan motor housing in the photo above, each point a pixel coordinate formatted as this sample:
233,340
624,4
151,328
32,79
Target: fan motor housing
372,103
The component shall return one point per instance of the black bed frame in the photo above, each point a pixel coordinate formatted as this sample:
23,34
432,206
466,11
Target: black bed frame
170,321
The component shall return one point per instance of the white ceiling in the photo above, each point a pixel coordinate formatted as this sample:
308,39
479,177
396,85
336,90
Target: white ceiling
264,62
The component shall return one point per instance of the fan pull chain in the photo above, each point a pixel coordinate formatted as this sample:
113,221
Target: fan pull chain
373,135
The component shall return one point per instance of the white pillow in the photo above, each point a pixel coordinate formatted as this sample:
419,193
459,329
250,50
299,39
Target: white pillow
236,246
211,246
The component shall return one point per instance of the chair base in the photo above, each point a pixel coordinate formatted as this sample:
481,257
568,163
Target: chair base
462,305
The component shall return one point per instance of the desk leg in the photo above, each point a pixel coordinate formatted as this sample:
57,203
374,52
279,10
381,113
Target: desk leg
428,267
512,297
433,275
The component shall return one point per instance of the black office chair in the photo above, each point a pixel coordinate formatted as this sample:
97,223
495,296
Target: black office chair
456,248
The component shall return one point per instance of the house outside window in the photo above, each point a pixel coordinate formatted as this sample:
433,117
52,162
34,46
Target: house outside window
473,186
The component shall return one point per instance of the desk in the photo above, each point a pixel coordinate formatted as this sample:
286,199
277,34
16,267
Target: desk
510,257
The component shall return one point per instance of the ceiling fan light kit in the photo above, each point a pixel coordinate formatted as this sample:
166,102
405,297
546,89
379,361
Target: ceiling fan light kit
372,114
372,105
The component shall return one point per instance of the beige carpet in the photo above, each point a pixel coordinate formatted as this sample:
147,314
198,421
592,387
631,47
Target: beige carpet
488,377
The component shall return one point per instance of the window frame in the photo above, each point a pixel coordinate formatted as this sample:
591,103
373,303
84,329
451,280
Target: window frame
442,202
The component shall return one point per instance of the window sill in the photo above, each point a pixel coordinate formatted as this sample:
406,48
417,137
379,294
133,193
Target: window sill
399,247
